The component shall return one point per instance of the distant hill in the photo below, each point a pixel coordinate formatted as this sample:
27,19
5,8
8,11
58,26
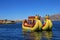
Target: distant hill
55,17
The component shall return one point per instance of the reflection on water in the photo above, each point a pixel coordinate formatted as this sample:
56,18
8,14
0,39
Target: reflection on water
38,35
47,35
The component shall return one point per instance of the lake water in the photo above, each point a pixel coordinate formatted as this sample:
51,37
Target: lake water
14,32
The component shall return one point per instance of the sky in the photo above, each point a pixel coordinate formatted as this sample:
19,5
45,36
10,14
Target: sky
21,9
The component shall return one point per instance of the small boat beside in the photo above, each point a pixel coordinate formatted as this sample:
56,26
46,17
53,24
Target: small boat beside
47,26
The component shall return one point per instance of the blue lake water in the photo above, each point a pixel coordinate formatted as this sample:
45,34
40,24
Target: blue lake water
14,32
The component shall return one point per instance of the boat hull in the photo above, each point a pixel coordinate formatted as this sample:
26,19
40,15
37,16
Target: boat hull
37,26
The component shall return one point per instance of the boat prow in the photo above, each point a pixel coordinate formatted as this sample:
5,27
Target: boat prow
47,25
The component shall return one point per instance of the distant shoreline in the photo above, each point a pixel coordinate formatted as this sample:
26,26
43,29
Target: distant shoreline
55,17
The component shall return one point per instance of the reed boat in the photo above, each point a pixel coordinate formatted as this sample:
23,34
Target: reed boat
33,24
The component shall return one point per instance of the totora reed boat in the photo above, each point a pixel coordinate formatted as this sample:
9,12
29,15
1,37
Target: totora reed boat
34,23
